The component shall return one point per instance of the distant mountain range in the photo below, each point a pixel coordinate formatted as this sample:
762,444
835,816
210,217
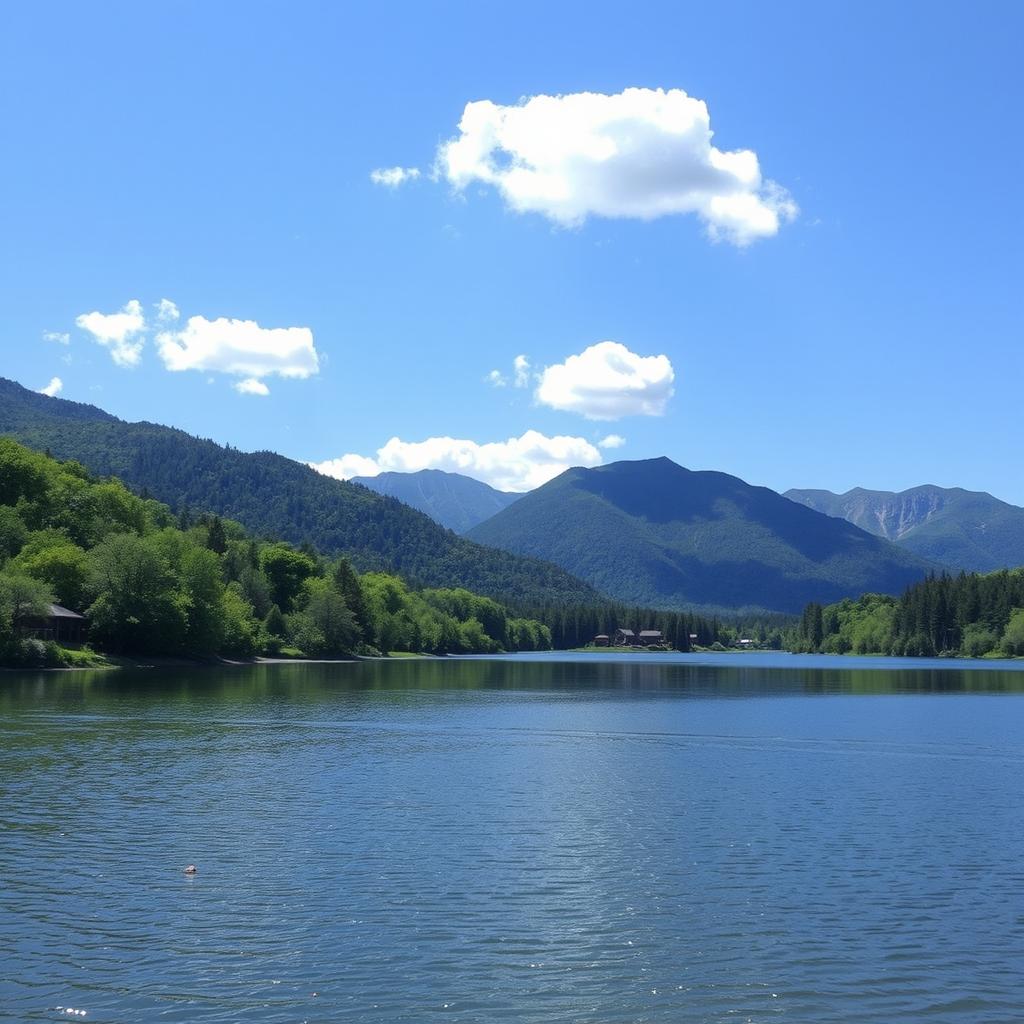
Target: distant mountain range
278,497
959,529
451,499
646,533
654,533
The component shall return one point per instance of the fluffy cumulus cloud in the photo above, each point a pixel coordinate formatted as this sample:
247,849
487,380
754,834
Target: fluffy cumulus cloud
606,382
392,177
240,348
518,464
122,333
641,153
611,441
55,387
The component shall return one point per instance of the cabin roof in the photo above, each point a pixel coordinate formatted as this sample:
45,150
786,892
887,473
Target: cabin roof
58,611
650,632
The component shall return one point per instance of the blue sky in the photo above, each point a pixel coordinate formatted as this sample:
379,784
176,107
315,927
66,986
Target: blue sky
219,156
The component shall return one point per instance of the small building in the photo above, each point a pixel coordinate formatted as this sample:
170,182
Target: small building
746,643
61,625
601,640
651,636
625,638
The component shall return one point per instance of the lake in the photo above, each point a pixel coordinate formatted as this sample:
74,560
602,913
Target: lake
536,838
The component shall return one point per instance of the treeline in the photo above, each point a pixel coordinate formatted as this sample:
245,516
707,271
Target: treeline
279,498
576,625
151,582
969,615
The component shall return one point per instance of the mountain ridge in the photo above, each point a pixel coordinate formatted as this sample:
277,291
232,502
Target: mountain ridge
652,532
961,529
454,500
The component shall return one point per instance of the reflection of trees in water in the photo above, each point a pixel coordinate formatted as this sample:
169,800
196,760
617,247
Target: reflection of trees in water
181,689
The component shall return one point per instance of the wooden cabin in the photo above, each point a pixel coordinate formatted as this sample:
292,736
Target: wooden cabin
651,636
61,625
601,640
625,638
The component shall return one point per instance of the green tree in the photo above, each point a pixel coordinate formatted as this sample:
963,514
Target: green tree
1013,636
62,565
137,606
287,569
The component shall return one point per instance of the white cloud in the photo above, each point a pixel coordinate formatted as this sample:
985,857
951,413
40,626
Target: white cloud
122,332
58,337
611,441
520,377
518,464
250,386
240,348
55,387
392,177
641,153
606,382
166,311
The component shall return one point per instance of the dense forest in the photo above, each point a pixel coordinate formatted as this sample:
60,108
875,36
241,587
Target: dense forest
277,497
152,582
575,626
969,615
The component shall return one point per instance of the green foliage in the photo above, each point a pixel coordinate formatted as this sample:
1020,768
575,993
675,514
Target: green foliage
153,583
1013,636
968,615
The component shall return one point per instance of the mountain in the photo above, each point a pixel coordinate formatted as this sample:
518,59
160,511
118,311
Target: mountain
275,496
961,529
654,533
456,501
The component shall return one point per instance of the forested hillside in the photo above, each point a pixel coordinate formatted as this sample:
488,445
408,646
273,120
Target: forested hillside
155,583
653,533
276,497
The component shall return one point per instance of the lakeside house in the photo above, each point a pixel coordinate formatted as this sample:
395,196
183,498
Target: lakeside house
60,624
630,638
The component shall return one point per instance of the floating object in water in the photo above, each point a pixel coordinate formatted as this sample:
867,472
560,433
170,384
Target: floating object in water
191,870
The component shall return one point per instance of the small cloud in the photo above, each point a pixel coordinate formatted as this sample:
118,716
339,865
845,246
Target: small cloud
518,464
392,177
611,441
606,382
519,378
57,337
123,333
251,386
166,311
55,387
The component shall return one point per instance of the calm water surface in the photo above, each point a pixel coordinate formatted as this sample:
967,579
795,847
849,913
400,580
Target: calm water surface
537,839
